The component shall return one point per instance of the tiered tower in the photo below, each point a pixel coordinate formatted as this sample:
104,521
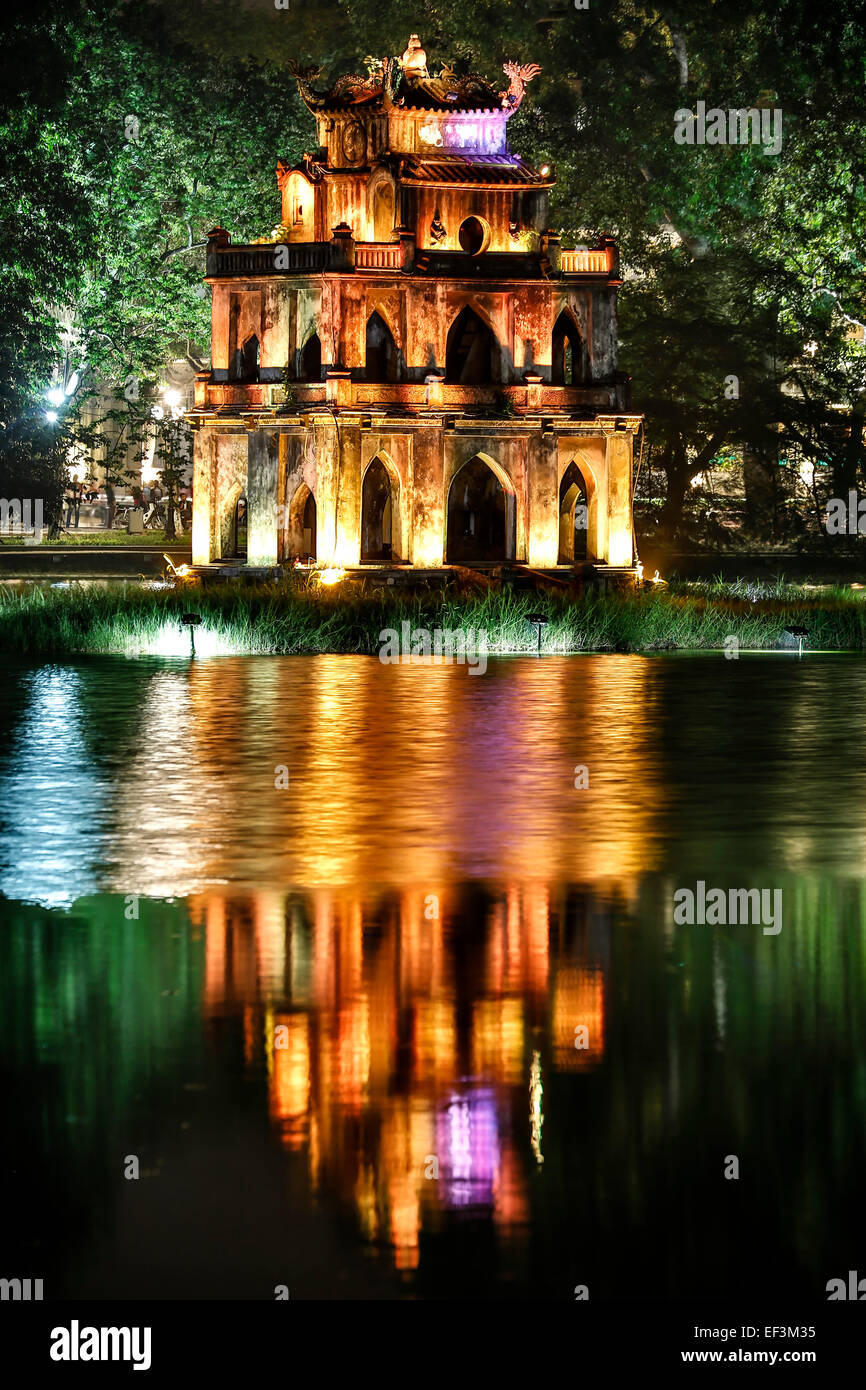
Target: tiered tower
411,369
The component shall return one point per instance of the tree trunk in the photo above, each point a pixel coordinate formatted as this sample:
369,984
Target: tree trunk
845,469
760,482
677,474
170,533
112,505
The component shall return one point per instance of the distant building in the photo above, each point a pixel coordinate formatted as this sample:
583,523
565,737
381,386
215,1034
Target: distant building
410,368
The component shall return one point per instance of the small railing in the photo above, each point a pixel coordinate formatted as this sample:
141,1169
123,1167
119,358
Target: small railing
585,262
270,259
377,255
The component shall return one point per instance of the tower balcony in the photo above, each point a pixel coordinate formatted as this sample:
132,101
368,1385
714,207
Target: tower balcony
413,398
344,254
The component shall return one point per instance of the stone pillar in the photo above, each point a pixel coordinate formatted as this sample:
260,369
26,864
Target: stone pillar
262,500
435,390
327,487
342,248
428,474
543,489
407,248
552,247
203,501
338,386
348,498
618,460
533,389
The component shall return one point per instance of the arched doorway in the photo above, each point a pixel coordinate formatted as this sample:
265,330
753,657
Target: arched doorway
573,517
310,359
566,352
480,516
379,516
301,538
381,356
245,361
232,523
240,528
472,356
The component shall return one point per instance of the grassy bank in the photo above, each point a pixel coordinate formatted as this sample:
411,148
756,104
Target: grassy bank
99,538
269,618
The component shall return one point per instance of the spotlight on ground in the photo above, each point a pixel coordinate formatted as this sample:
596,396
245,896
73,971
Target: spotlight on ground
538,621
192,621
799,633
332,575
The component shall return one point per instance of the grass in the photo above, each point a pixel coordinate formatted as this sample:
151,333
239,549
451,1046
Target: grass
98,537
288,618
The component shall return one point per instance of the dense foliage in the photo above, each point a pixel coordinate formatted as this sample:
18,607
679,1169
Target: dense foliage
130,130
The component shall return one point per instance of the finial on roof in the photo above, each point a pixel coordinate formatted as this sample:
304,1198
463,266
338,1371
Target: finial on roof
415,58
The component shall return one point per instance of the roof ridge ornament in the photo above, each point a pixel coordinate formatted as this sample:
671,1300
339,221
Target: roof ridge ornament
518,76
415,59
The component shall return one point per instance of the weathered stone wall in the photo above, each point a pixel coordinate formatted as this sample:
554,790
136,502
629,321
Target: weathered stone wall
278,468
285,313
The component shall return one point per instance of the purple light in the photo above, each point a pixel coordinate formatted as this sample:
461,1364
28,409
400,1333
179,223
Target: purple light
467,1143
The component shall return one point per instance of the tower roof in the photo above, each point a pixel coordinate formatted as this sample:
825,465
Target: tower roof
406,83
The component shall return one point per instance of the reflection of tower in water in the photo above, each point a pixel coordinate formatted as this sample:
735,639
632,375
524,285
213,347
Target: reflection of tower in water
405,1050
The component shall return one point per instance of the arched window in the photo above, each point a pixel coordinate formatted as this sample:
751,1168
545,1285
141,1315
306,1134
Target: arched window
310,360
301,537
567,368
383,212
480,516
245,363
381,359
378,515
472,356
573,517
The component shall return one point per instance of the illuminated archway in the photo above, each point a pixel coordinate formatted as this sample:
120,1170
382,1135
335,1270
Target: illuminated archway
573,517
472,356
301,537
229,517
481,514
380,514
567,364
383,211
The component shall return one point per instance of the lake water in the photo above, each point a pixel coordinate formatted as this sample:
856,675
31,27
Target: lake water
421,1022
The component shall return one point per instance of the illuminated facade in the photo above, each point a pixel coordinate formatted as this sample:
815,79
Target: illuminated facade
411,369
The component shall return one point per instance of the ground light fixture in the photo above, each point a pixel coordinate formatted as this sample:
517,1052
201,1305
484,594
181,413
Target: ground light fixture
332,575
192,621
799,633
538,621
